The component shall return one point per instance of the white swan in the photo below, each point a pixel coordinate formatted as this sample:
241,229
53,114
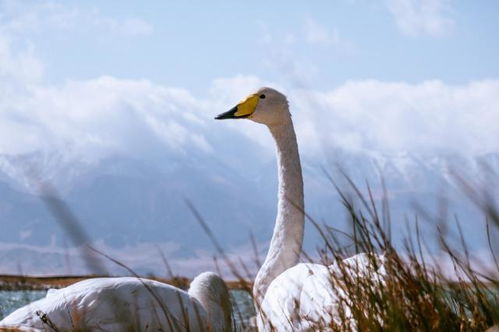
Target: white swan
291,296
128,304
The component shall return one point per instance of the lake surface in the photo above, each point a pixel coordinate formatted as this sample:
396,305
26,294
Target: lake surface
11,300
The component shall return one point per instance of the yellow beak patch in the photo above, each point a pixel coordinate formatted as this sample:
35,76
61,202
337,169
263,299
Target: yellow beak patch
247,106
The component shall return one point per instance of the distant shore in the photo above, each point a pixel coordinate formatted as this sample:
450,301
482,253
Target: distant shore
19,282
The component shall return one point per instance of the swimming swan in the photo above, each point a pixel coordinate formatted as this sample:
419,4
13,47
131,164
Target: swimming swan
290,296
128,304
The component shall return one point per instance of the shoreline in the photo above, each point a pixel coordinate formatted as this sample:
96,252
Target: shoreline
20,282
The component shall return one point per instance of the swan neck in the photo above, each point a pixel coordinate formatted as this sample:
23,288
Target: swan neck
285,246
213,295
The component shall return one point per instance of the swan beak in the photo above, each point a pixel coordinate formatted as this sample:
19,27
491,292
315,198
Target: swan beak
230,114
242,110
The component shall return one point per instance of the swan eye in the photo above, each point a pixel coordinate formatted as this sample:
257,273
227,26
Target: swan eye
262,96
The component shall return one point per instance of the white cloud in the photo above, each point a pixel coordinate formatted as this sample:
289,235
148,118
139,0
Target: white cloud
422,17
128,26
108,115
97,117
281,57
17,65
100,115
285,50
320,35
385,116
34,16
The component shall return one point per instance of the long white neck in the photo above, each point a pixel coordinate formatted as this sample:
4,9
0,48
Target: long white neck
285,246
212,293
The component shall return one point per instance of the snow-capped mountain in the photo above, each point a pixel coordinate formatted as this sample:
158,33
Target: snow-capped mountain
123,202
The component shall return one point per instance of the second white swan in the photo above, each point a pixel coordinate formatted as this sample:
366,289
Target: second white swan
128,304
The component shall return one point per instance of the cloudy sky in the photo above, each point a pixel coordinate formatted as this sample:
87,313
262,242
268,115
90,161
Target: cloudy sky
92,79
385,75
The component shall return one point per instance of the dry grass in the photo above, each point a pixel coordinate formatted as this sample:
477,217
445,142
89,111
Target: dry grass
21,282
405,289
411,294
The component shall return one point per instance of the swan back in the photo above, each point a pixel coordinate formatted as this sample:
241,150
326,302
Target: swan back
309,297
112,304
210,290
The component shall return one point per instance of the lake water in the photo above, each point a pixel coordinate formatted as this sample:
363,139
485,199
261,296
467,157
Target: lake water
11,300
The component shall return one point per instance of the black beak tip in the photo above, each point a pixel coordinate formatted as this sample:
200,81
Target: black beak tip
227,115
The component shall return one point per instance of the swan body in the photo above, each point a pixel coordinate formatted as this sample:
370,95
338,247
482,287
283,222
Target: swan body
309,296
292,296
128,304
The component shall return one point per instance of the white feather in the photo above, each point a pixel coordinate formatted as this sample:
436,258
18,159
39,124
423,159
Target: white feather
291,296
128,304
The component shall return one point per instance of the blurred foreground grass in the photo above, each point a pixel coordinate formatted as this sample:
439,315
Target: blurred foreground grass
414,292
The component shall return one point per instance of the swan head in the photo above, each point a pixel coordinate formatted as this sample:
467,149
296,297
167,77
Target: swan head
266,105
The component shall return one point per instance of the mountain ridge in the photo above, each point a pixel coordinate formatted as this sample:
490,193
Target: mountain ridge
125,202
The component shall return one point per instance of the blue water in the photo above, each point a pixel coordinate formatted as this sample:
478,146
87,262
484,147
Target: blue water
11,300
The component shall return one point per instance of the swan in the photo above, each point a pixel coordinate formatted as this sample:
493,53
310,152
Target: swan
292,296
128,304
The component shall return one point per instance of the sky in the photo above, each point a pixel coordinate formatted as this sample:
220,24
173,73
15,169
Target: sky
95,79
387,75
324,43
174,44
